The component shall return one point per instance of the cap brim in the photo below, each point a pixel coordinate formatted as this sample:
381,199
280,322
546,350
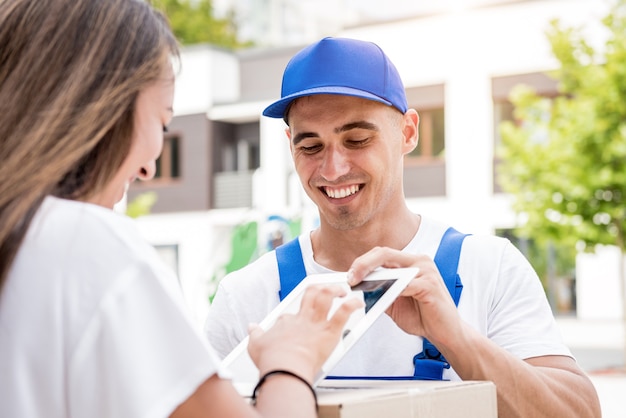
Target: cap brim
278,108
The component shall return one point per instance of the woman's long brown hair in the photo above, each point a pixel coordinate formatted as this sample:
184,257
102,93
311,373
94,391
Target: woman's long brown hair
70,73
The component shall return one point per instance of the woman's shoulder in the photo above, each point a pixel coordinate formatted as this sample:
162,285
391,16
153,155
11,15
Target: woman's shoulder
78,236
80,222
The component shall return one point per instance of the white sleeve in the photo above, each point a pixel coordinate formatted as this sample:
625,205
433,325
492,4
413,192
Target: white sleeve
140,355
520,319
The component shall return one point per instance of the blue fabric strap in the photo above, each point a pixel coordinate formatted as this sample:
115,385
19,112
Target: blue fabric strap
447,261
429,364
290,267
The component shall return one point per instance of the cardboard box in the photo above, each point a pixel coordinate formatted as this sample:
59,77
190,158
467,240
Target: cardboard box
406,399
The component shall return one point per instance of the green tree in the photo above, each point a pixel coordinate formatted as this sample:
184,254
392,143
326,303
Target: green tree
193,22
564,160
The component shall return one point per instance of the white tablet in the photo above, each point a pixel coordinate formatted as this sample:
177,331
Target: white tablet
378,290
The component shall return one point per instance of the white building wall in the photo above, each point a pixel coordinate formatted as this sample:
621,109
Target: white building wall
276,164
598,295
205,76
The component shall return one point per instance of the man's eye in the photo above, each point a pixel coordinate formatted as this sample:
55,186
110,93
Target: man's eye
165,130
357,142
311,149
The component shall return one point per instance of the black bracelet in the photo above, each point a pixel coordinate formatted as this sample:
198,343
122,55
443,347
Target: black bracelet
288,373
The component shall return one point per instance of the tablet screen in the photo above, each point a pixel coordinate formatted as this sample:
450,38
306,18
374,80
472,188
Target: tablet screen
373,290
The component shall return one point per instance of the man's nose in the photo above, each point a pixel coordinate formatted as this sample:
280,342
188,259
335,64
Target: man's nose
335,163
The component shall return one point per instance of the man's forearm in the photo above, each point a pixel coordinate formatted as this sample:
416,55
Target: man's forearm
548,386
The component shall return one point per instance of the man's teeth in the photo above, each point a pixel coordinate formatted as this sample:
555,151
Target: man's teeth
343,192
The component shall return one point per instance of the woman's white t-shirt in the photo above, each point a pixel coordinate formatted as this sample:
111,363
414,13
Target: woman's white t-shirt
93,324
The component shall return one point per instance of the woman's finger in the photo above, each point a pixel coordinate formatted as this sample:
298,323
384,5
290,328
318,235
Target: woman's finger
343,312
318,299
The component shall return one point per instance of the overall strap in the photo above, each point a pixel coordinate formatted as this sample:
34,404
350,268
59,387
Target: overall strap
290,267
447,261
429,364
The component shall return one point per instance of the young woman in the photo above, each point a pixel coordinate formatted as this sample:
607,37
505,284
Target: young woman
91,322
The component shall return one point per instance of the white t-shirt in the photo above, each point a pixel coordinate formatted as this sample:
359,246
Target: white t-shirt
93,324
502,298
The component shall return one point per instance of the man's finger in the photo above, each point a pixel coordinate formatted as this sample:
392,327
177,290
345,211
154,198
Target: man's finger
378,257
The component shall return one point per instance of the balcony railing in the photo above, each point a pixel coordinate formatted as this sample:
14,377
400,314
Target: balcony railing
232,189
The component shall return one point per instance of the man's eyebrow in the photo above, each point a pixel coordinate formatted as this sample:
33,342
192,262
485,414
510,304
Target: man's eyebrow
357,125
302,136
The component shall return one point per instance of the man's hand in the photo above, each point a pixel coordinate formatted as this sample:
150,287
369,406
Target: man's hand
425,307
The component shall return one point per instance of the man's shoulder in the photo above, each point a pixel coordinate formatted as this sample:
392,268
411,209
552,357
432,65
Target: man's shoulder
486,243
437,228
475,246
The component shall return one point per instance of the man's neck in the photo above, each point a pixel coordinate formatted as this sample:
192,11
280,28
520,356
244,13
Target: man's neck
336,249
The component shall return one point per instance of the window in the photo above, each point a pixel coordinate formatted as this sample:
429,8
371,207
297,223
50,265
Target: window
431,135
237,146
503,109
168,164
236,157
427,160
501,88
429,103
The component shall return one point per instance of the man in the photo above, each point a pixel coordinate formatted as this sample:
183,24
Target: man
349,129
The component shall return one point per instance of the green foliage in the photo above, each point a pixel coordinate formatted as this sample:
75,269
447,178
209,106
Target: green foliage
141,205
193,22
243,243
564,159
243,250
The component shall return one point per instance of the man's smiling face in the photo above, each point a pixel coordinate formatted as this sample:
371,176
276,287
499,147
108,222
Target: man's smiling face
348,154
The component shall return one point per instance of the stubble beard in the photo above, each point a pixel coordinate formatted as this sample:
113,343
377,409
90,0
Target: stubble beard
345,220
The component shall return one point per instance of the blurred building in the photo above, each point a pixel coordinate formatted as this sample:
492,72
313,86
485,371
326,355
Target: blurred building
225,166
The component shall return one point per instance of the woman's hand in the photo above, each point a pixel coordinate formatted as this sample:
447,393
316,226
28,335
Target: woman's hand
302,342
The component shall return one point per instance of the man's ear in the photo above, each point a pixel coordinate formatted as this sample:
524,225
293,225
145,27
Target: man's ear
410,131
288,134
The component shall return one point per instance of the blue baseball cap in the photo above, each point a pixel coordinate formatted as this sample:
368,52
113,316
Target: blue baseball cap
342,66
